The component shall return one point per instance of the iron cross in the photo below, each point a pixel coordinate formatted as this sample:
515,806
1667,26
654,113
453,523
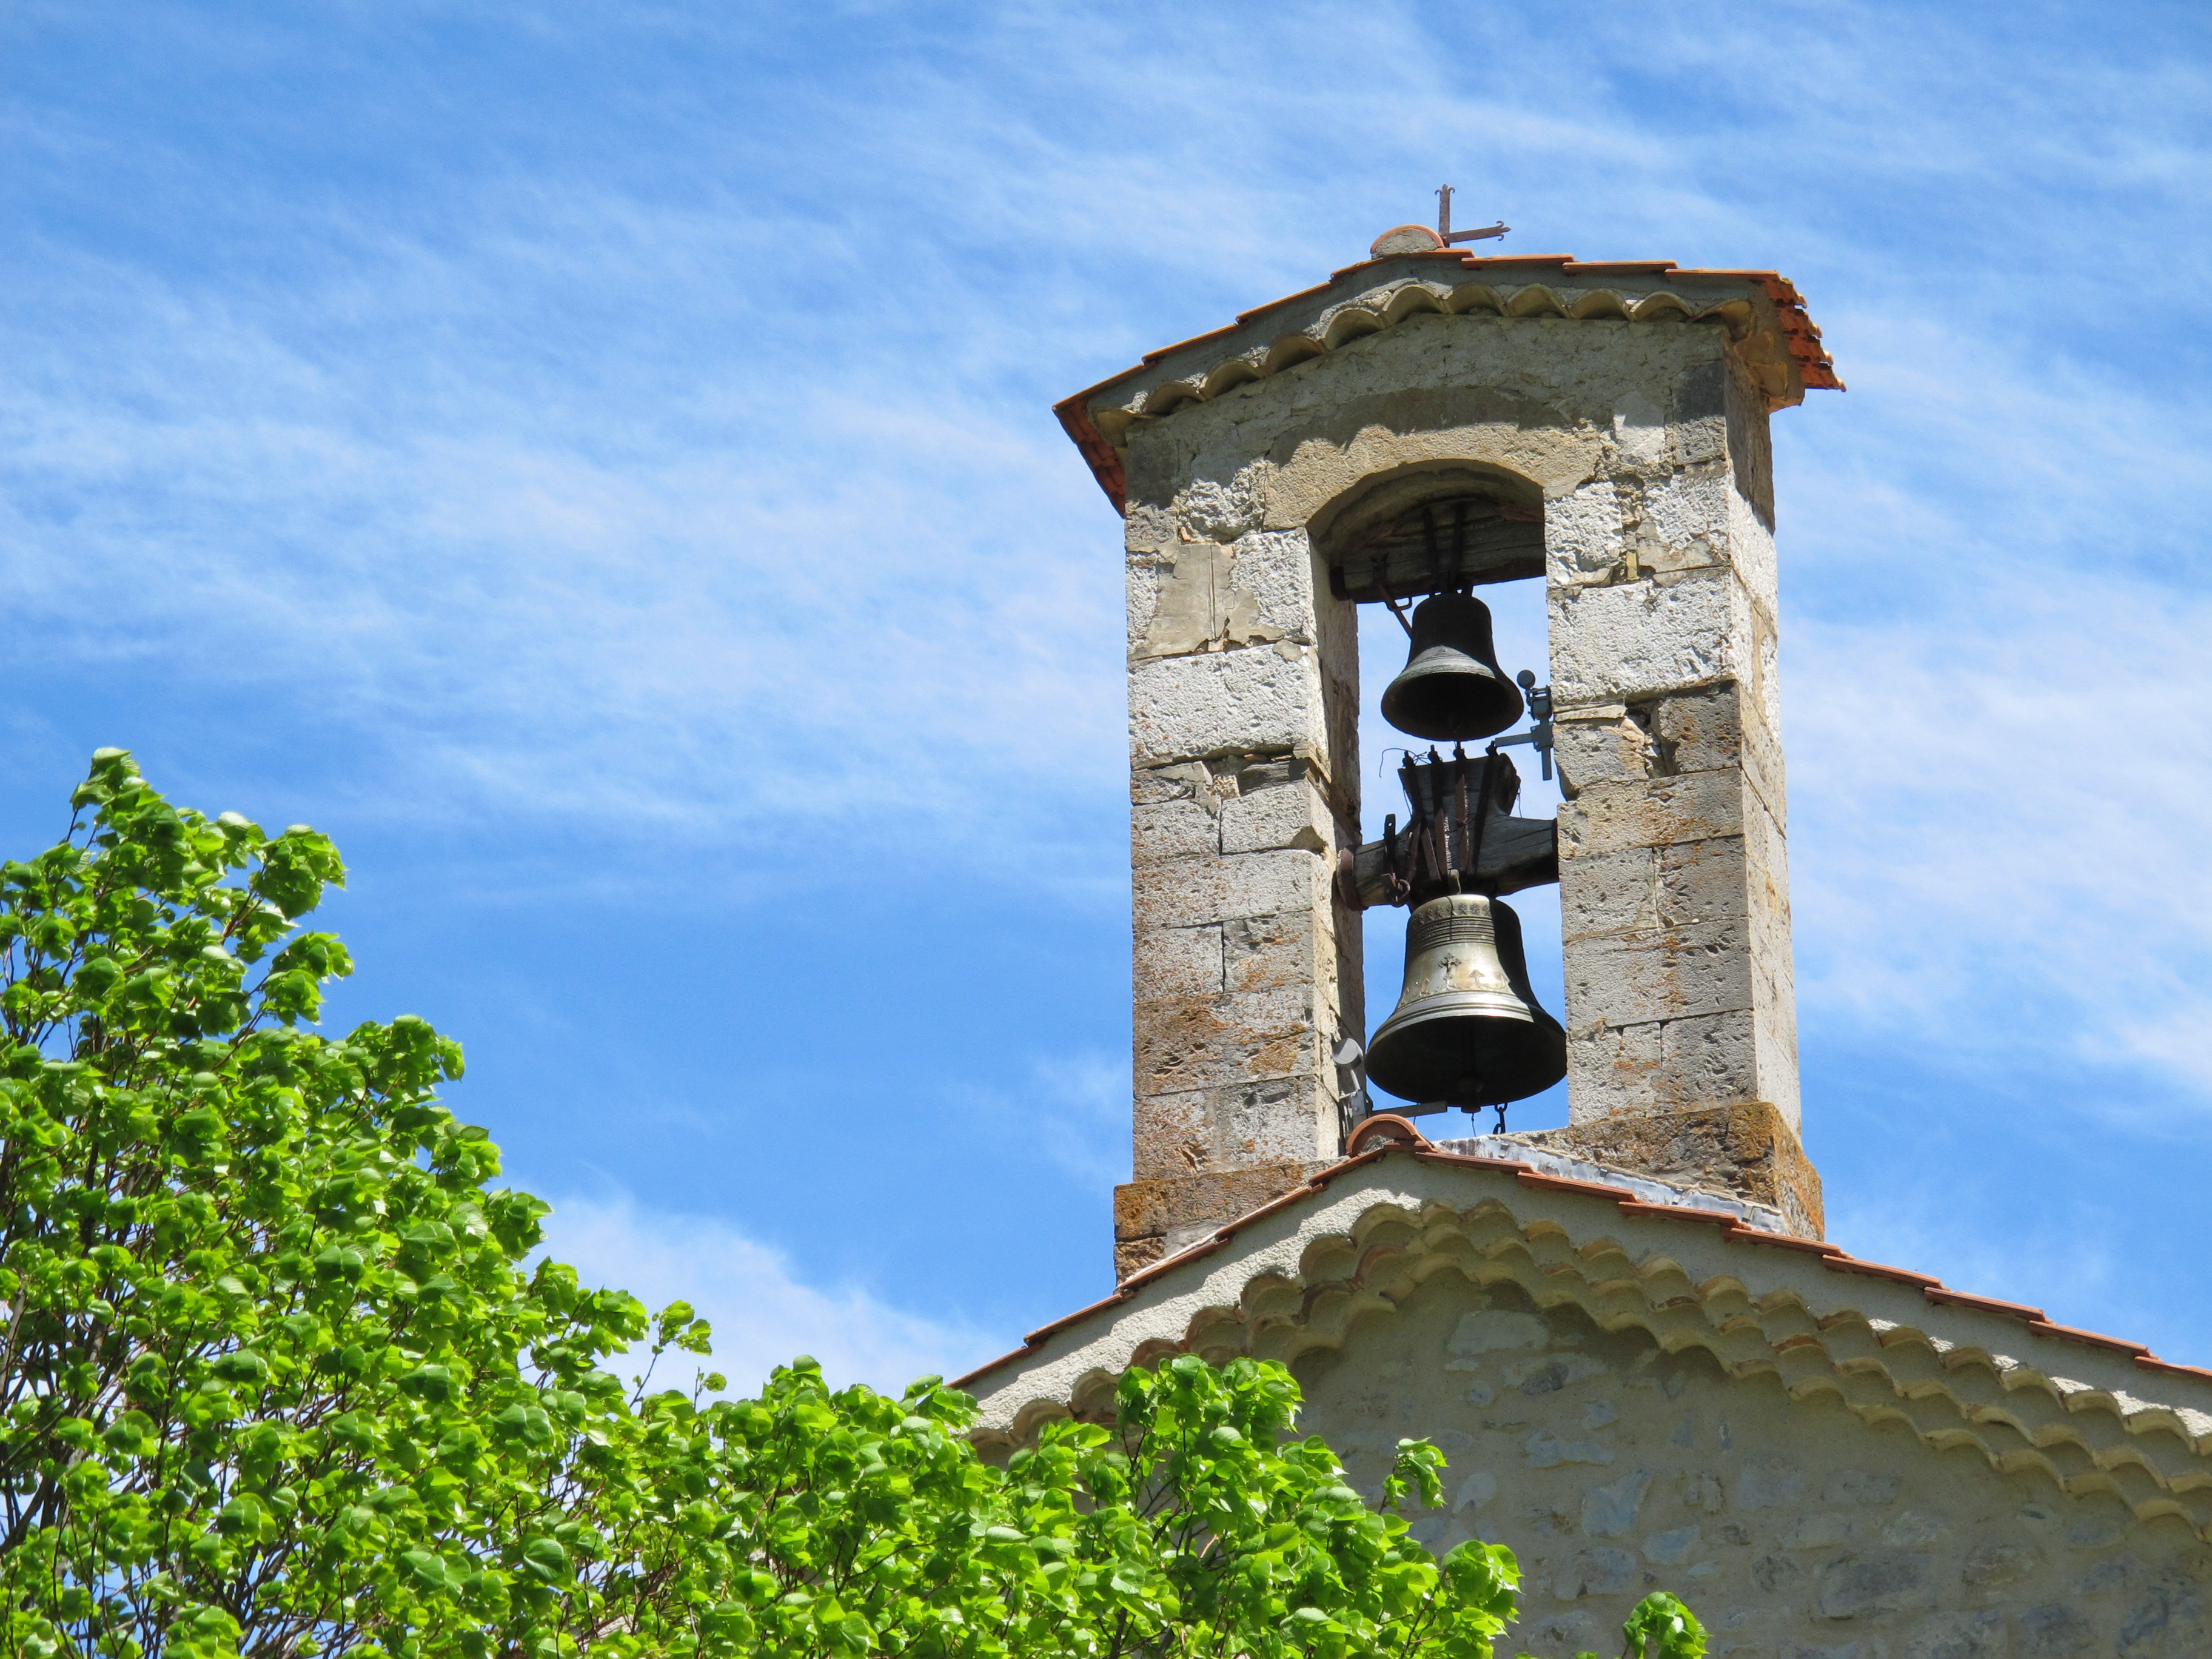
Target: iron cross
1444,222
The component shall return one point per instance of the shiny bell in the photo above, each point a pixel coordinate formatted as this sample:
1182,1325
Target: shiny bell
1467,1030
1451,687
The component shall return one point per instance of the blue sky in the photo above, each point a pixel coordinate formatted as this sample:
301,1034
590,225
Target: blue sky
594,462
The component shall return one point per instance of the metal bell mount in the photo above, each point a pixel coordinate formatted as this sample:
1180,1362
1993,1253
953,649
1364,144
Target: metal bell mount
1467,1030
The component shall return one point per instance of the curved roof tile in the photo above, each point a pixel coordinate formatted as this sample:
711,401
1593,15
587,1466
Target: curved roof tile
1757,307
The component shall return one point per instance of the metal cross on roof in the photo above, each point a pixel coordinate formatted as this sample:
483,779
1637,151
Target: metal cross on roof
1444,222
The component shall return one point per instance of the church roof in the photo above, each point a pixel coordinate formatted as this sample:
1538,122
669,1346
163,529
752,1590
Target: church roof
1763,312
2095,1412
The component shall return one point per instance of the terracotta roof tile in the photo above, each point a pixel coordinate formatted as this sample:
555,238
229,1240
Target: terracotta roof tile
1832,1257
1680,1213
1791,1242
1984,1303
2095,1339
1566,1184
2152,1362
1852,1264
1815,366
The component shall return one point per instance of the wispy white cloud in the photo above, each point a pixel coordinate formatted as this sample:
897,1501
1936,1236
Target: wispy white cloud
1073,1108
764,1311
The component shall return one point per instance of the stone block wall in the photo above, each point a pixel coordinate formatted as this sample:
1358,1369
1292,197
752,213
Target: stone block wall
1243,683
1796,1529
1674,873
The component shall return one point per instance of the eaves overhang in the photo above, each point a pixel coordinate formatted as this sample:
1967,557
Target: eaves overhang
1768,326
2094,1412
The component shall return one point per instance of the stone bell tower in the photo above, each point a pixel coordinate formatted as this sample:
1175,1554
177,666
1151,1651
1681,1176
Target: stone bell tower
1602,426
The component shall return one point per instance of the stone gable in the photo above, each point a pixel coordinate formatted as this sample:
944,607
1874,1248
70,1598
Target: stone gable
1829,1458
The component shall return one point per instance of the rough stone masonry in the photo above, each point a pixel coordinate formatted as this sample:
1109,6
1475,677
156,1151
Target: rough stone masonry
1626,407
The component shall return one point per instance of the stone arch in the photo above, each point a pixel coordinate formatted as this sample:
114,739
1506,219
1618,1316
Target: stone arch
1425,524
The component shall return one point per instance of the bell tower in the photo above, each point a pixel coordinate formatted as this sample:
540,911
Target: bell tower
1429,422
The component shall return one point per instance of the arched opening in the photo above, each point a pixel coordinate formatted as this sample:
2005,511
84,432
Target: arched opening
1395,538
1432,525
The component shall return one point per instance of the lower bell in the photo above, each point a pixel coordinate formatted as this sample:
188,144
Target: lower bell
1467,1030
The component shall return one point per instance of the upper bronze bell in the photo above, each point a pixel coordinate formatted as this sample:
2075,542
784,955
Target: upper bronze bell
1451,687
1467,1030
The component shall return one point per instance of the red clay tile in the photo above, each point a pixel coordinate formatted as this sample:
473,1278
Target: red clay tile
2151,1361
2095,1339
1788,1242
1385,1125
1678,1212
1853,1264
1815,368
1563,1184
1986,1303
1468,1160
1832,1256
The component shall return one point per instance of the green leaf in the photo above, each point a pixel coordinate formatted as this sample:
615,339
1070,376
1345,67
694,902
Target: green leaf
431,1382
279,1343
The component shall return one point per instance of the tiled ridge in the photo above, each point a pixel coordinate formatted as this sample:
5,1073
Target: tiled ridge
1510,287
1387,1133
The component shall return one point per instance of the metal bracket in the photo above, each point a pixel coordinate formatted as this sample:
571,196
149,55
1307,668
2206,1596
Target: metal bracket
1538,734
1353,1104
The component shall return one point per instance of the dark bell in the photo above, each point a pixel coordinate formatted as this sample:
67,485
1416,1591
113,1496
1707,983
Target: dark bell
1451,688
1467,1030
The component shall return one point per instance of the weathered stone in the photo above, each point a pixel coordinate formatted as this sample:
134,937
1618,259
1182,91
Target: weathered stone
1593,1572
1767,1483
1599,745
1146,1212
2055,1630
1547,1451
1609,1512
1748,1150
1958,1636
1877,1583
2000,1563
1294,815
1231,1037
1173,830
1606,817
1259,953
1221,702
1677,973
1194,891
2170,1618
1710,728
1197,603
1620,643
1268,1120
1643,890
1857,1486
1180,962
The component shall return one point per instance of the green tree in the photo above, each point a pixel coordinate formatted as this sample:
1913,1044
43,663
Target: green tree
278,1375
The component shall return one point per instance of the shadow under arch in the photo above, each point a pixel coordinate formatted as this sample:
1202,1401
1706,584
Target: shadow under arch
1430,525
